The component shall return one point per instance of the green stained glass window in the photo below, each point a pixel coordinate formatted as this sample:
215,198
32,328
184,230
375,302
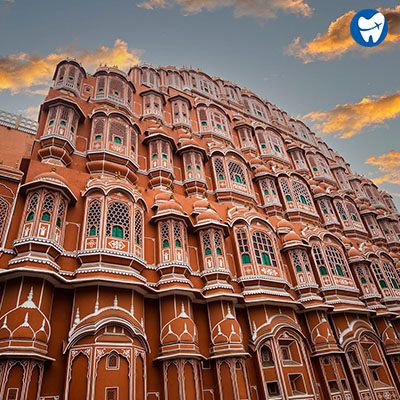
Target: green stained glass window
46,216
245,259
117,231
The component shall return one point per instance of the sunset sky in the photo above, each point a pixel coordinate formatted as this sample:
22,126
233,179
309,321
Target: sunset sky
298,54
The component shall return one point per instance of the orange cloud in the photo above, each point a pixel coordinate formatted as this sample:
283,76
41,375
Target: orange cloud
242,8
24,70
338,41
349,119
389,164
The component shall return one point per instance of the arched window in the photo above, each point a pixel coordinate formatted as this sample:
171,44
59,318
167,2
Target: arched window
117,231
341,210
118,220
285,189
98,131
336,261
391,275
47,208
60,214
112,361
178,234
4,205
263,249
138,228
165,235
93,218
301,193
33,202
236,173
319,260
117,132
244,250
379,275
219,169
266,357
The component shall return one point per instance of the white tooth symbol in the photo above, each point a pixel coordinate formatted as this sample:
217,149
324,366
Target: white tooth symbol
372,27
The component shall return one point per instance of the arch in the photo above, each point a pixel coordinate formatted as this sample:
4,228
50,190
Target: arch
108,380
78,384
93,323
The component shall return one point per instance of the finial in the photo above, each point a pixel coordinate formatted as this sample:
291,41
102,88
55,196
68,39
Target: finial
77,317
115,301
53,169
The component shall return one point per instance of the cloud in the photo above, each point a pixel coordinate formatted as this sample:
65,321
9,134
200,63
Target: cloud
22,71
338,41
350,119
242,8
30,112
389,164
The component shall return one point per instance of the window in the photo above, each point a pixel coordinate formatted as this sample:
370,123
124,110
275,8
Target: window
117,231
391,275
243,246
12,394
285,351
60,213
336,261
138,227
319,260
301,193
112,361
263,249
111,394
273,389
165,235
117,132
236,173
266,357
219,169
93,218
118,220
46,216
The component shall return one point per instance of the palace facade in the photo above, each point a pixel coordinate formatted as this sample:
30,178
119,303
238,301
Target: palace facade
173,236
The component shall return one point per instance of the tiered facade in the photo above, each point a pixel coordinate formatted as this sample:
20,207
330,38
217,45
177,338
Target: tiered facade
173,236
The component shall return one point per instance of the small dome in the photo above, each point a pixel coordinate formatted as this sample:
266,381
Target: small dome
208,216
162,197
345,240
312,182
284,223
171,204
353,252
292,236
318,190
50,176
255,161
201,204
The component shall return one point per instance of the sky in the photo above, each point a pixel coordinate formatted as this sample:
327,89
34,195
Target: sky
298,54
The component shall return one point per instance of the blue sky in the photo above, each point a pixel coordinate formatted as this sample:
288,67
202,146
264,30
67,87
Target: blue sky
248,50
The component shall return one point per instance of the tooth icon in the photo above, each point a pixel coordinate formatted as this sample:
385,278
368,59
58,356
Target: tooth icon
372,27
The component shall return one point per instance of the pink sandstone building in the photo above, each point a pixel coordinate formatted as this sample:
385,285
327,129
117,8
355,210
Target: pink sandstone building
173,236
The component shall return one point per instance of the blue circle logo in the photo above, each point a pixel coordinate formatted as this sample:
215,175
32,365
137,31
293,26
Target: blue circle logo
369,28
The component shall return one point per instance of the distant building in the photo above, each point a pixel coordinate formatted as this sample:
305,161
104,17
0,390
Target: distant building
173,236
